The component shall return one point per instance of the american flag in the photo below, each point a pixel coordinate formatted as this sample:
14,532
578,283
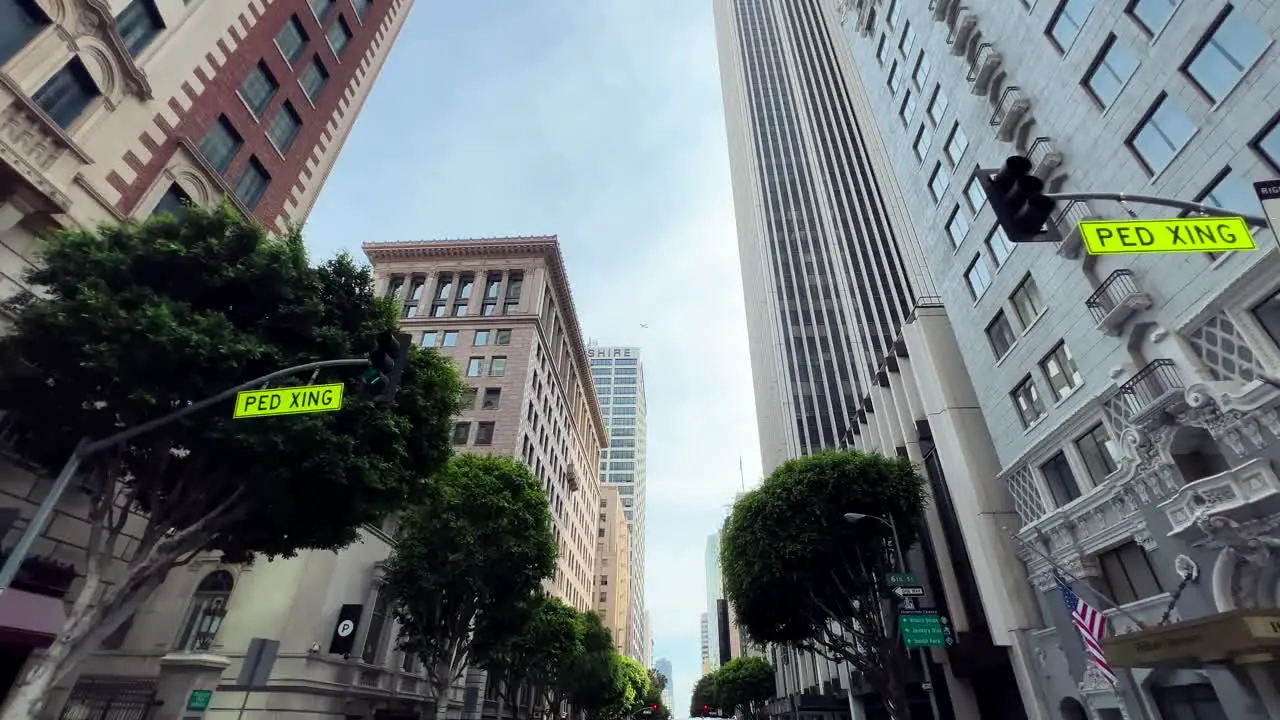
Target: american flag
1091,624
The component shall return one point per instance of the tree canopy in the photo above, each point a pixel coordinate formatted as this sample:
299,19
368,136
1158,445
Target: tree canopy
742,684
794,568
129,322
473,551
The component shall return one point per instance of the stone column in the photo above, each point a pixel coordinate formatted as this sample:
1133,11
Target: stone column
180,675
12,210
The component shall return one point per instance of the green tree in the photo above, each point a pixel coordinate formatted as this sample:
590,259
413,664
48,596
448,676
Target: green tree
704,698
474,550
595,679
131,321
745,684
528,647
798,574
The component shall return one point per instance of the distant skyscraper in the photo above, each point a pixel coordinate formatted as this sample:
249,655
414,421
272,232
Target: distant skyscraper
619,380
663,666
706,645
715,593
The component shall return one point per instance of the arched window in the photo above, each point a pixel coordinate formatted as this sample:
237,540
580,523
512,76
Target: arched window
208,607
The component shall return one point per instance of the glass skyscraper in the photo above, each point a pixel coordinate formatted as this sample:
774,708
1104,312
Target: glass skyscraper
619,380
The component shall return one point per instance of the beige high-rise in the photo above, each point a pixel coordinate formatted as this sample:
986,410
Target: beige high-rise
501,309
613,566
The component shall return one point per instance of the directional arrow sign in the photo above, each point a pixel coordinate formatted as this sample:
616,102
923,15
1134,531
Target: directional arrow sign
921,628
908,591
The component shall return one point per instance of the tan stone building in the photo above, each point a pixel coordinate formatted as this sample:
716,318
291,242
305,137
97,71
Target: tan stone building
501,309
613,566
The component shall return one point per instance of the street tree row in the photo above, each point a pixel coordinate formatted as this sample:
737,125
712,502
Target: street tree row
740,687
802,573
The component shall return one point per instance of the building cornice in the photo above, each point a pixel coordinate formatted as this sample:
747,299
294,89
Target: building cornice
544,246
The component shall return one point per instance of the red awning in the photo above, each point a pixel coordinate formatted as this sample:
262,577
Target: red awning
30,620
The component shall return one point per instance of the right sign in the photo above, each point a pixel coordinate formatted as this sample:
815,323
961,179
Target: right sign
1174,235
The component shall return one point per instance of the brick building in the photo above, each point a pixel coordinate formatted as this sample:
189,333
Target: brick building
614,575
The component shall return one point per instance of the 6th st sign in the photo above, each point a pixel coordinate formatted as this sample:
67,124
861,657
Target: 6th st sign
289,401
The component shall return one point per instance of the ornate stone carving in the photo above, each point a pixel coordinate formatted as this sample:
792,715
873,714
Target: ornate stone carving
1252,541
30,139
1146,539
1271,420
94,19
1095,682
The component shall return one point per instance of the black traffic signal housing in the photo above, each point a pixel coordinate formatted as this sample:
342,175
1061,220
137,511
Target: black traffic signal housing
1019,202
387,360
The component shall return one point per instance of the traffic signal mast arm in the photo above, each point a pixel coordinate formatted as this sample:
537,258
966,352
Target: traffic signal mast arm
89,447
1023,209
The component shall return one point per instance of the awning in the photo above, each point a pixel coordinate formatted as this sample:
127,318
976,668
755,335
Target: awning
1239,636
30,620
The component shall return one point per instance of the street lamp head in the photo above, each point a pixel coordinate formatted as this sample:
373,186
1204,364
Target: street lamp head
854,517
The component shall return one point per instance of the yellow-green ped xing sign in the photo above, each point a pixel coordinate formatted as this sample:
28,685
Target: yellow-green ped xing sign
289,401
1175,235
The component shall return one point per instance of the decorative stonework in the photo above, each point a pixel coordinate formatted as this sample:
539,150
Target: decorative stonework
1224,352
28,147
94,19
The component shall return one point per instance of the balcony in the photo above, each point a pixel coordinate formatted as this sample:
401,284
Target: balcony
1045,158
945,10
1067,221
1154,391
1240,494
983,68
961,33
35,148
1115,301
1010,109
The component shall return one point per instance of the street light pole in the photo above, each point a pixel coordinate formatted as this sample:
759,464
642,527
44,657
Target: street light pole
901,565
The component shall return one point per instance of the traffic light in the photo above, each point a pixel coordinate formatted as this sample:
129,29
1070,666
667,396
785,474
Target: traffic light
1018,199
387,359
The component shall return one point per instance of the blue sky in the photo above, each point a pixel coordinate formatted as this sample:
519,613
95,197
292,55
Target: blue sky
601,122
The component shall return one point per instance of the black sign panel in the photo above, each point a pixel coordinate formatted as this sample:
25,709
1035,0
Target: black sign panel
344,632
1267,190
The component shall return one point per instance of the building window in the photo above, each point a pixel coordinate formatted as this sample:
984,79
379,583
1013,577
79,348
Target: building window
882,48
208,608
475,367
1026,302
1161,135
67,94
1026,400
974,196
957,144
498,367
978,277
502,337
292,40
491,398
908,107
139,24
1128,574
313,79
921,71
252,183
1064,26
362,8
1231,191
1268,143
1098,452
394,286
430,338
999,246
1000,335
174,202
1061,481
377,627
1151,15
937,105
221,144
284,127
939,181
1234,43
1060,370
480,339
908,39
321,8
258,88
1112,68
450,338
339,36
461,433
484,433
894,14
20,22
957,226
923,139
1267,314
895,78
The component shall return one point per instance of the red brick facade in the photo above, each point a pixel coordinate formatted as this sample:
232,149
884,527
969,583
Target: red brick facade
256,41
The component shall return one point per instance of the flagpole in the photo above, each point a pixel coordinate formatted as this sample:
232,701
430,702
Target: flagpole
1063,571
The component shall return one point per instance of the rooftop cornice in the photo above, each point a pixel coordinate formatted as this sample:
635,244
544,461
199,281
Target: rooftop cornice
544,246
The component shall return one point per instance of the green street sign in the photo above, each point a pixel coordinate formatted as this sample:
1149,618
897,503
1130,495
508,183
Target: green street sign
900,579
199,700
921,628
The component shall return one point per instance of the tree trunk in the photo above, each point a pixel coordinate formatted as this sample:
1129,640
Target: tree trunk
441,690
